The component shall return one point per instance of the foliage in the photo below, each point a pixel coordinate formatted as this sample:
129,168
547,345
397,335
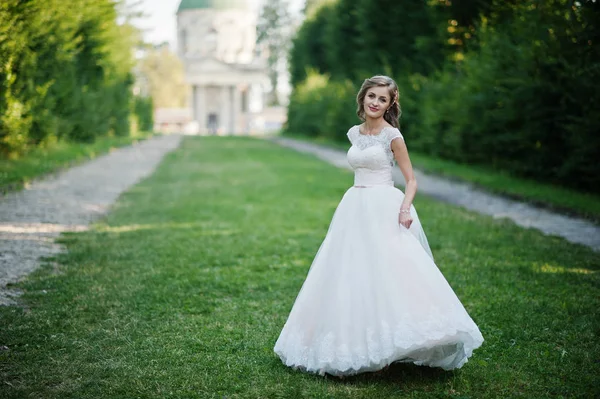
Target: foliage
64,72
320,107
143,110
172,296
308,48
310,6
164,76
274,31
512,85
338,39
531,111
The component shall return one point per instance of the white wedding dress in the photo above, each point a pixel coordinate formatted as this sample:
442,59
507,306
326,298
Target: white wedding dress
373,294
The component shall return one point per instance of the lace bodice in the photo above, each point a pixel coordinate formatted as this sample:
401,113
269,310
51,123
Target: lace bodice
371,156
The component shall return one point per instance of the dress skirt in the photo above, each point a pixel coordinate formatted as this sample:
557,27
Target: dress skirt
373,295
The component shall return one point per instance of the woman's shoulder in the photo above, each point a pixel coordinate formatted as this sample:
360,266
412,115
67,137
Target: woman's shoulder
353,130
392,133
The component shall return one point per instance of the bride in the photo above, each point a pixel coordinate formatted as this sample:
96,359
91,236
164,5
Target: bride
373,294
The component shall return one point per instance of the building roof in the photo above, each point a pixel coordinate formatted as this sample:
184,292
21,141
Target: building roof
219,4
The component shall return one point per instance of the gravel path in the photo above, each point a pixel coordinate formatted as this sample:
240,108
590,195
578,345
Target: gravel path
31,219
463,194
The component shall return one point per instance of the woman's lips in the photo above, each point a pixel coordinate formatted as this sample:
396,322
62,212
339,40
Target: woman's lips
373,109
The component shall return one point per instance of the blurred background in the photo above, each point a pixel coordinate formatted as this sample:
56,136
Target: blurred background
226,60
513,85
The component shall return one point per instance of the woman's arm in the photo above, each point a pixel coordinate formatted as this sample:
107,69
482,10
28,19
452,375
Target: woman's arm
410,190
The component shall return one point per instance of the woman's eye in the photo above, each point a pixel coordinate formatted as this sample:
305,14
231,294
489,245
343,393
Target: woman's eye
383,100
371,95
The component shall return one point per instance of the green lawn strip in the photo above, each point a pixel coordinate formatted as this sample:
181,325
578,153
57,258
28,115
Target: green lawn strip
183,289
16,173
560,199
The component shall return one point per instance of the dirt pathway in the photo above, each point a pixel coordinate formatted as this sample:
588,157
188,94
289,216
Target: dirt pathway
31,219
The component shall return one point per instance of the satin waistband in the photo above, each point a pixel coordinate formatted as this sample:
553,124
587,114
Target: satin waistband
373,185
370,178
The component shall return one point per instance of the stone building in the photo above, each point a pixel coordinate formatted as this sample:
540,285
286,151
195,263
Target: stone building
217,45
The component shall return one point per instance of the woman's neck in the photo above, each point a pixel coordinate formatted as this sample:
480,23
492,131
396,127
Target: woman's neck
374,124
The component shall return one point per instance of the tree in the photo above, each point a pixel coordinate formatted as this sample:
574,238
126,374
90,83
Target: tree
311,6
65,72
310,47
341,39
274,32
165,78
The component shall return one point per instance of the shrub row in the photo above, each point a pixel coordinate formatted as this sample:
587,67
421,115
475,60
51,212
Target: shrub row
514,86
65,73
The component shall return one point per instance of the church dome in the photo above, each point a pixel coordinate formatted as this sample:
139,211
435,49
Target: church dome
218,4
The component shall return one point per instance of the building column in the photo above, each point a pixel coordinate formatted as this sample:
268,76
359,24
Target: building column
200,109
236,108
225,110
193,102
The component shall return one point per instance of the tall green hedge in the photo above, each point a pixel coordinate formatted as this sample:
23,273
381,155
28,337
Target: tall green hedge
514,85
65,72
143,112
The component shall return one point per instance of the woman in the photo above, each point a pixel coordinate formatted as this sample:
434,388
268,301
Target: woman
373,294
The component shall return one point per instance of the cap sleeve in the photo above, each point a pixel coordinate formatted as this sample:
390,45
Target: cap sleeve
350,134
393,134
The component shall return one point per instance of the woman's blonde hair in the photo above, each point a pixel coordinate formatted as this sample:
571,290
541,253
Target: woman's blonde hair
392,114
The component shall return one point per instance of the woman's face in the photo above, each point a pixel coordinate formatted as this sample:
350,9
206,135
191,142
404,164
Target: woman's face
376,102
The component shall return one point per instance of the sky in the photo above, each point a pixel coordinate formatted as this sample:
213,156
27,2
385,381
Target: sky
159,25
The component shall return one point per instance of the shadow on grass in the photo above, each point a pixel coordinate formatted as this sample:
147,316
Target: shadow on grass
400,373
396,373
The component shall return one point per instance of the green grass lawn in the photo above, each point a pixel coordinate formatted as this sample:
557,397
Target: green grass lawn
183,289
17,173
557,198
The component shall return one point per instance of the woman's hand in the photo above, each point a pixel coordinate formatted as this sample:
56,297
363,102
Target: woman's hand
405,219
